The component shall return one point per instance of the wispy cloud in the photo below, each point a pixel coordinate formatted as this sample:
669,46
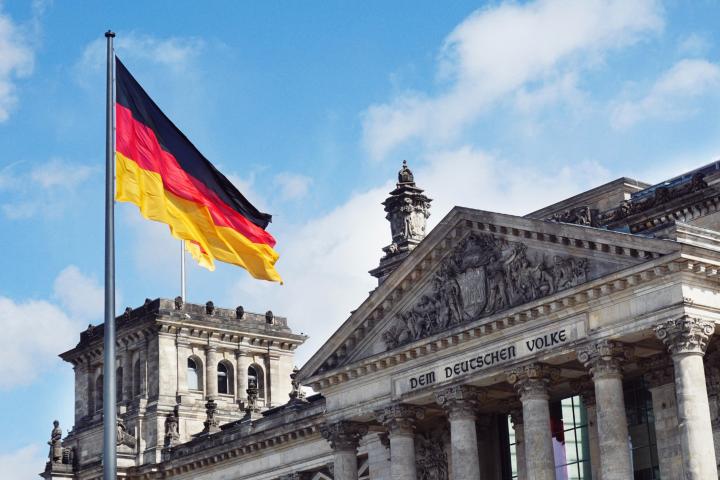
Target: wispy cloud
42,328
504,49
293,186
16,61
673,96
46,189
24,463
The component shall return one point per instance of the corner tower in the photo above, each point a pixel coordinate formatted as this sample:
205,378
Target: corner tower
408,209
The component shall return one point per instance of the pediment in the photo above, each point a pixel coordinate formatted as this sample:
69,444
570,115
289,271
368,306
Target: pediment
472,266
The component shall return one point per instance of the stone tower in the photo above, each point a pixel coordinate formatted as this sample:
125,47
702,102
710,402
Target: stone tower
408,209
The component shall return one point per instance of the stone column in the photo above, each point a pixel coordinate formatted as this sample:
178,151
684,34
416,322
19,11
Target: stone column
241,360
517,422
183,353
126,363
344,438
143,371
460,403
686,338
531,382
211,361
659,380
400,422
378,448
604,360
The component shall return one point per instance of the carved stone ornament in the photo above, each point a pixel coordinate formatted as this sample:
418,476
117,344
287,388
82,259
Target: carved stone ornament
483,275
123,437
578,215
430,456
56,448
211,422
269,317
532,381
210,307
685,335
172,434
400,418
604,359
179,303
239,312
344,435
460,401
296,393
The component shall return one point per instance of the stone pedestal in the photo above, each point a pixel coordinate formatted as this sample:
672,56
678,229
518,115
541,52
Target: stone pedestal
517,425
531,383
604,360
400,422
344,438
687,339
460,402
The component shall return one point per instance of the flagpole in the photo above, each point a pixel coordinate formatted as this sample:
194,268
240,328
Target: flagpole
182,270
109,405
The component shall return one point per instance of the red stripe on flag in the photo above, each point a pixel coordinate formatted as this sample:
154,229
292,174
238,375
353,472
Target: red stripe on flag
139,143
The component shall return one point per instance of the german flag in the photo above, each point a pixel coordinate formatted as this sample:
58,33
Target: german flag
160,170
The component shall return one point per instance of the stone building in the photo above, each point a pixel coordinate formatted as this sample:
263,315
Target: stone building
575,342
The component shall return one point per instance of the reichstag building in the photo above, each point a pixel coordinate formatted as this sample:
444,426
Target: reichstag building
575,342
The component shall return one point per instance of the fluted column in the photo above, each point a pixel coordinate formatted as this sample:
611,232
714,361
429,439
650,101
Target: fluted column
400,422
531,382
211,386
344,438
241,360
517,426
460,403
604,360
686,338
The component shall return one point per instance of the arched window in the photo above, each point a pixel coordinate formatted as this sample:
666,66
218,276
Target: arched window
256,379
99,393
137,378
118,385
225,378
194,374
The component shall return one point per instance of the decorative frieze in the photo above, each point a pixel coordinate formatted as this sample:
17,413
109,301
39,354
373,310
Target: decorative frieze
603,359
344,435
685,334
483,275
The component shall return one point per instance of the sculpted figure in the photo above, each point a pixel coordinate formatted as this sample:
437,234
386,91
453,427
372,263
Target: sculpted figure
56,449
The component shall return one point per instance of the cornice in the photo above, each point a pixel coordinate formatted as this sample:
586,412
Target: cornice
570,301
458,224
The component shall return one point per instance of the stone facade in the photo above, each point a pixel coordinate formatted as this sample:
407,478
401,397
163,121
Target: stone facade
493,346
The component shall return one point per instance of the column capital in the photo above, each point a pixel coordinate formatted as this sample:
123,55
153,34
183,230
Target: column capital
532,381
210,348
343,435
685,335
400,418
460,401
604,358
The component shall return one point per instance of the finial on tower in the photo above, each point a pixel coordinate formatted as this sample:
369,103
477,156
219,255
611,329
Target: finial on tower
407,211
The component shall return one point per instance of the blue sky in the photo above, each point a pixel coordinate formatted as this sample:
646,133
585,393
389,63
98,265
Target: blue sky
310,107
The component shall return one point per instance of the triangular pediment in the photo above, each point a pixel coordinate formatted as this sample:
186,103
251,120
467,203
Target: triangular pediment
475,265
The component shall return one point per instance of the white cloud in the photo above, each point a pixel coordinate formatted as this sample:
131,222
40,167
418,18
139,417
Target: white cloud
41,329
670,97
325,262
293,186
500,50
16,61
694,44
24,463
46,189
176,53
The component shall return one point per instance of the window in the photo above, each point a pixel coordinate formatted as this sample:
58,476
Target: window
641,426
99,393
568,420
512,442
193,374
137,378
118,385
256,379
222,379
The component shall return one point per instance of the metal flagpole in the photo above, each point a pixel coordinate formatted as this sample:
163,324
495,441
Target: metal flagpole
109,406
182,270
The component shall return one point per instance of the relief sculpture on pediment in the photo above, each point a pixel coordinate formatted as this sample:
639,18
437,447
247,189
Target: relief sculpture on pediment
483,275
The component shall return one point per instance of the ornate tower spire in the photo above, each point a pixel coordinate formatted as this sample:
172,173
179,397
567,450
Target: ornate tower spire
407,210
